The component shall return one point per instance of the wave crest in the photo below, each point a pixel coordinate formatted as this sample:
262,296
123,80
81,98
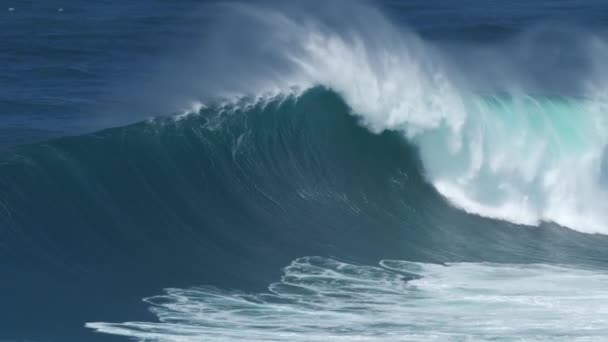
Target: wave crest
494,141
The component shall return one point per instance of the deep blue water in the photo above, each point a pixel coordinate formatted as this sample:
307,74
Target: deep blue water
147,145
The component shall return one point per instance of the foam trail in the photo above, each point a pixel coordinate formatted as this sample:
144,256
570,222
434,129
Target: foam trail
320,299
505,153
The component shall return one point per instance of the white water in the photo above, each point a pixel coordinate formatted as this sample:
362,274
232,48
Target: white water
321,299
503,154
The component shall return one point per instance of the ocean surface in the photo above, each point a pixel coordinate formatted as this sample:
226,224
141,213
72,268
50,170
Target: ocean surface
303,171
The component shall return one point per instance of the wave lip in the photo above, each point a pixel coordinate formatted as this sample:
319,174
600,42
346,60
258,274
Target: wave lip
321,299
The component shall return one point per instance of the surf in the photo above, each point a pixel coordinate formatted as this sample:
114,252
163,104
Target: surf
320,299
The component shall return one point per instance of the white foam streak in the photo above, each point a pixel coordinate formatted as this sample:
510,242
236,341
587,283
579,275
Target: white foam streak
320,299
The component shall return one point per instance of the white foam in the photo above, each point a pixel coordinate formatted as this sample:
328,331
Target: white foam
320,299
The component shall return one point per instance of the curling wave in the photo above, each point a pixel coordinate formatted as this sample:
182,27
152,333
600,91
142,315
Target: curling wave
498,135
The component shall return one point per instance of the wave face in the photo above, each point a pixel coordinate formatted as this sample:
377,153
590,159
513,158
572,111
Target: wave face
320,299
